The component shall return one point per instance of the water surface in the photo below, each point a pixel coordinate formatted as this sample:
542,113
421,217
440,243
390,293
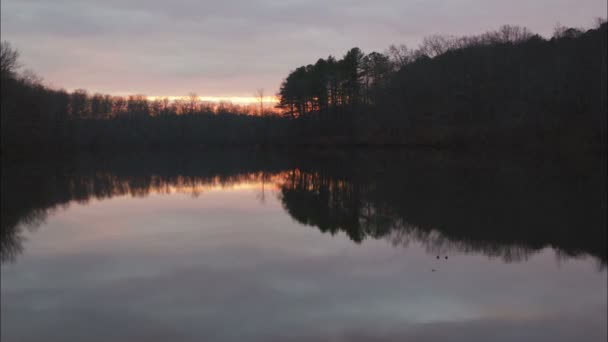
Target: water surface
341,246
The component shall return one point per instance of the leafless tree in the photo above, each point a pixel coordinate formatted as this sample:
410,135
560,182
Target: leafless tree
513,34
399,56
193,103
259,94
29,77
8,59
79,104
436,45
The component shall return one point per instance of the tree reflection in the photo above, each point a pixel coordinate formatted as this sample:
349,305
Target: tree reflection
495,208
498,210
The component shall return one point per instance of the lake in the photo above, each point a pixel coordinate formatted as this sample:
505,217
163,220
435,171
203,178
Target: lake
344,245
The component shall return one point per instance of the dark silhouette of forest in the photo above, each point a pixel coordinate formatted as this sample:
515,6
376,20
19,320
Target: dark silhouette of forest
507,87
500,208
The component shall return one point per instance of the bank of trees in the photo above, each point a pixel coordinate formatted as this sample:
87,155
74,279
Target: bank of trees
358,79
36,117
507,86
504,86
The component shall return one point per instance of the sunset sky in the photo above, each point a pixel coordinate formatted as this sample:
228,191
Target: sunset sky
231,48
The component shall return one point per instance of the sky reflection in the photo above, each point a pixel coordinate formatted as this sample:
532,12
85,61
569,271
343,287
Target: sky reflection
224,266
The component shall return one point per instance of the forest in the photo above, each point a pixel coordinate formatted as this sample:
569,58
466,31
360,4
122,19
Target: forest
504,88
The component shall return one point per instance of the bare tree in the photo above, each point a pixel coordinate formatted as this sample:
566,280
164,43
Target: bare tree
513,34
79,104
193,103
96,104
400,56
259,94
29,77
8,59
436,45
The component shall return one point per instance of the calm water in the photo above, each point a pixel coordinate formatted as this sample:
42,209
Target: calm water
343,246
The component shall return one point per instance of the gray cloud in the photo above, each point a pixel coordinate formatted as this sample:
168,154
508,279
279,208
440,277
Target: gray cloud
233,47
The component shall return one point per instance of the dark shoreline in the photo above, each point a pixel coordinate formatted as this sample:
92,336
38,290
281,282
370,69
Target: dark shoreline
495,200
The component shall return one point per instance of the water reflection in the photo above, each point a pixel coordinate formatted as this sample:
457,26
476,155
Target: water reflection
341,246
498,208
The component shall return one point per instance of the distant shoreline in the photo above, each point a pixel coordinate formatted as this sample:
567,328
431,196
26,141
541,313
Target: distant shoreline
507,90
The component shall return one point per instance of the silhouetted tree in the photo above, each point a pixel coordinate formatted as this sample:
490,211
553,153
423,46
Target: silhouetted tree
259,95
8,60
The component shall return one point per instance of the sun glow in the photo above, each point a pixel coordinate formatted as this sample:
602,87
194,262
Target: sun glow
265,181
242,100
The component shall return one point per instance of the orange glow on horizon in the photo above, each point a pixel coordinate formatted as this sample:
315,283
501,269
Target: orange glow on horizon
187,185
244,100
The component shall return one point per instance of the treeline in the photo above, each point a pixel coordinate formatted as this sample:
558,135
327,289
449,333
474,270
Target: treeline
36,117
360,79
505,87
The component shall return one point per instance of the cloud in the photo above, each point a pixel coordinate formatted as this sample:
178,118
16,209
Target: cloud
221,48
